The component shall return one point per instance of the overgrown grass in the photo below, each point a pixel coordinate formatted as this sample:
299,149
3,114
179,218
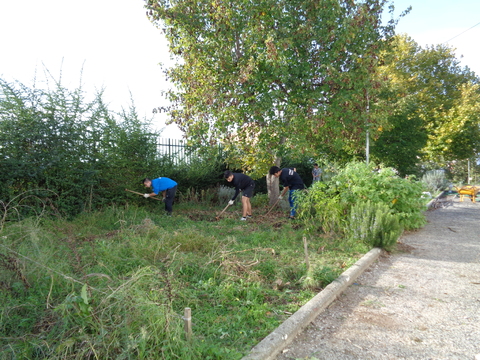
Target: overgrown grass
114,284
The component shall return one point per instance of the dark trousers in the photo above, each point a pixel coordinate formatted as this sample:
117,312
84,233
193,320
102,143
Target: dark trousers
169,199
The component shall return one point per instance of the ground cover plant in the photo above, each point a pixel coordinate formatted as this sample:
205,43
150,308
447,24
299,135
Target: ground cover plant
115,283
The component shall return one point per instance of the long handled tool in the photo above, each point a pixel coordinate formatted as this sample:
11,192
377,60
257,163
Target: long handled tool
226,207
142,194
276,202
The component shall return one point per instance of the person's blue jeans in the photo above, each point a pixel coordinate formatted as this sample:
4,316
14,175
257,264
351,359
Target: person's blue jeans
291,200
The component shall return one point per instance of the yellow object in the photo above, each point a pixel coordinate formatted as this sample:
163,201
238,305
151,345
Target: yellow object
468,190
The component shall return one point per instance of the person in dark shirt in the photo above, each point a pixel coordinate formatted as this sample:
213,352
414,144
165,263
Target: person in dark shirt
246,185
292,182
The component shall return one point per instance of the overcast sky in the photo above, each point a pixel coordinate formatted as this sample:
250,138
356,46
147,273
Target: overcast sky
117,48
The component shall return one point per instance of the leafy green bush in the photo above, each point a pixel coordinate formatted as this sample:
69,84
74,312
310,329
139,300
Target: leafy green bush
359,182
327,205
320,209
55,139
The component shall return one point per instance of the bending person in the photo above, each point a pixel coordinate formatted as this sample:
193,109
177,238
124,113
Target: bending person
291,182
163,185
245,184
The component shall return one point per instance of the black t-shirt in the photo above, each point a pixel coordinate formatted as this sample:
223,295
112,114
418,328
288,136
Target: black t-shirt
241,182
290,178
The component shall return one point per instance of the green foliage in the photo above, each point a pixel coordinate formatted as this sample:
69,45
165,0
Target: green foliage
430,104
401,144
320,209
327,204
76,149
268,79
115,283
359,182
374,224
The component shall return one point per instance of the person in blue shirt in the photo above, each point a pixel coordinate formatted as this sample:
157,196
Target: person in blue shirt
163,185
292,182
245,184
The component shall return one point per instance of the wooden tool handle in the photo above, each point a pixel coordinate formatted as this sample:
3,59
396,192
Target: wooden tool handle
135,192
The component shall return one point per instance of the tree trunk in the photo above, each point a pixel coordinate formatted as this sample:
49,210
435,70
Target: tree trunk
273,184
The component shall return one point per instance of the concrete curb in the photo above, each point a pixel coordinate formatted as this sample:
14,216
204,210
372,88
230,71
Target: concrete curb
281,337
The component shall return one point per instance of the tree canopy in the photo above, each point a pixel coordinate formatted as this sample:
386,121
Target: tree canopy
431,106
268,78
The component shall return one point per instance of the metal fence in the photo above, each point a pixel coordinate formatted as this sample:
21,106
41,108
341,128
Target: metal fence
176,150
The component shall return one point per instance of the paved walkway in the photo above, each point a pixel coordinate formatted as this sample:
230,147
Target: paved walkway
420,303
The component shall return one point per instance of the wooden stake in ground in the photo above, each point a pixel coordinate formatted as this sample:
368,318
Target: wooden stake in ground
187,318
152,197
226,207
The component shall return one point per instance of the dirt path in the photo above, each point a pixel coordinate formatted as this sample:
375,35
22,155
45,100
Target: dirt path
422,303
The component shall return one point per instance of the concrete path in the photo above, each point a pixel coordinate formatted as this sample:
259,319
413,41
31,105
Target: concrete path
420,303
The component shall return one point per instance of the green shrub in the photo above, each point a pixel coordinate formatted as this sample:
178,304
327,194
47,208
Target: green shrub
225,193
359,182
435,180
374,224
320,209
260,200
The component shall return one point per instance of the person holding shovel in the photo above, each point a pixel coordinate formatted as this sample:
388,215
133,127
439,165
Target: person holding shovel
166,186
292,182
245,184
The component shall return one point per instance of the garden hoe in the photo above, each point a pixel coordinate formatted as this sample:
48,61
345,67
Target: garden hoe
142,194
226,207
276,202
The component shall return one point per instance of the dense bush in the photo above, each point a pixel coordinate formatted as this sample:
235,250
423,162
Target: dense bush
435,181
55,139
359,182
374,224
63,154
328,205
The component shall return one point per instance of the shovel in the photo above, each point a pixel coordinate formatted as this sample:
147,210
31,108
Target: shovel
142,194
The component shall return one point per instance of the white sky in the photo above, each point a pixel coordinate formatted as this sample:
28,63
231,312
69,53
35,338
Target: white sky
119,49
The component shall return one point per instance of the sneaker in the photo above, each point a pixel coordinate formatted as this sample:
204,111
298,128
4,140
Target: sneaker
243,218
291,217
249,216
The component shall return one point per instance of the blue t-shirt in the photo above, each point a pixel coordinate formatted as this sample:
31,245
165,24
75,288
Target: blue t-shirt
161,184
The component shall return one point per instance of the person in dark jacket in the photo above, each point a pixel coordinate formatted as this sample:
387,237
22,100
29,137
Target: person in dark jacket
292,182
246,185
164,185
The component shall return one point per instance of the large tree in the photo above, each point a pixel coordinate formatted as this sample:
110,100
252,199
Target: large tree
269,77
431,104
